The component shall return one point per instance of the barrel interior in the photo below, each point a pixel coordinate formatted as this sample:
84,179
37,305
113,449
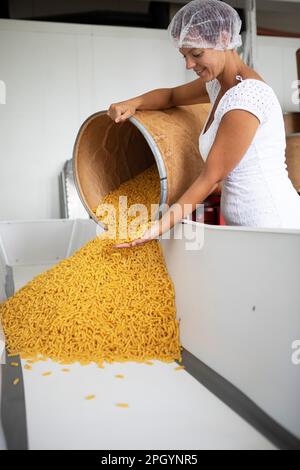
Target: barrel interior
105,155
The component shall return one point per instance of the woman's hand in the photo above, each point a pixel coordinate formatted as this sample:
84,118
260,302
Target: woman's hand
150,234
119,112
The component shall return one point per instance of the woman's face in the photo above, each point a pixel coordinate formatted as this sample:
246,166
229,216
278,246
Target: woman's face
207,63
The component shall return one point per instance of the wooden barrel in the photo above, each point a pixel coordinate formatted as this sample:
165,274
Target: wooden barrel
106,154
291,122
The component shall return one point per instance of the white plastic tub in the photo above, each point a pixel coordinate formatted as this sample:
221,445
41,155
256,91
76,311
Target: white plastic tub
239,302
216,288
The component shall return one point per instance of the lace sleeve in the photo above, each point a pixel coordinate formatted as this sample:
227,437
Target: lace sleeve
251,95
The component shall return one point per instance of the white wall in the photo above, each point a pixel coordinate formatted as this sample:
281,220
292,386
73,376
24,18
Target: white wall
56,75
276,62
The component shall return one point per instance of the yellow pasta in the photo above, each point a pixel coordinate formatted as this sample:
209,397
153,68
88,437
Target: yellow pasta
16,381
119,376
14,364
90,397
46,374
27,367
122,405
102,304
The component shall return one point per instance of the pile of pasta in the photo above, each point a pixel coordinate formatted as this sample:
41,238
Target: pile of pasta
102,304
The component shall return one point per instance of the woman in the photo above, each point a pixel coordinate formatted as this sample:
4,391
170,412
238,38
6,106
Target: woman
243,140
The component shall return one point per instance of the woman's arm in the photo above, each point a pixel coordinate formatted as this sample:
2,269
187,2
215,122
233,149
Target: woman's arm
234,136
162,98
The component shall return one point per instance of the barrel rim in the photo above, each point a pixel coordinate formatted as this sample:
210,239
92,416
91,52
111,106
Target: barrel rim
74,168
154,149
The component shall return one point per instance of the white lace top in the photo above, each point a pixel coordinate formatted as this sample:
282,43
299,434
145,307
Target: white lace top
258,192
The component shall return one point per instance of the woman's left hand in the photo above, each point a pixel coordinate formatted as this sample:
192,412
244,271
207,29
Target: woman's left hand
150,234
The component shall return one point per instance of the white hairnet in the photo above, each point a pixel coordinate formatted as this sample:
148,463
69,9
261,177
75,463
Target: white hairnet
206,24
